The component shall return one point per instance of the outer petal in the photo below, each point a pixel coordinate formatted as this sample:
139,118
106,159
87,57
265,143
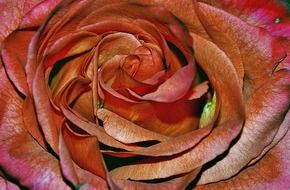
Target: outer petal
76,175
7,185
12,13
48,117
273,101
272,172
14,55
259,51
272,15
21,156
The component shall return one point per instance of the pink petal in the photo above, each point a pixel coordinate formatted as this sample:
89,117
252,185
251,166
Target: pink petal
14,55
173,88
273,101
272,172
21,156
197,91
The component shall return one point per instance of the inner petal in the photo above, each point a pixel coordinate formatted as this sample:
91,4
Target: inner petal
116,44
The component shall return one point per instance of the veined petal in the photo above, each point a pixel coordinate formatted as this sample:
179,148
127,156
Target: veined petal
21,156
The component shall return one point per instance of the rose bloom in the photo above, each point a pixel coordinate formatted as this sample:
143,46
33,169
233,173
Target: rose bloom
150,94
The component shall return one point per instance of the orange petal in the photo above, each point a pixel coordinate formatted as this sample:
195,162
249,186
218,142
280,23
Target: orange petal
126,131
94,130
82,147
172,146
48,117
271,172
273,101
174,184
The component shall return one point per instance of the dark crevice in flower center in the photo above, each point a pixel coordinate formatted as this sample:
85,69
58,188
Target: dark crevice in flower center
115,162
178,53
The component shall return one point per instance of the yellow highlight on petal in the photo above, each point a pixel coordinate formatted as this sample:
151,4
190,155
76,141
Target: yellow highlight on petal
208,113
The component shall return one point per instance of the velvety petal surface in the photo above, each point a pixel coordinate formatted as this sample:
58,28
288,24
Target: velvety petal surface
21,156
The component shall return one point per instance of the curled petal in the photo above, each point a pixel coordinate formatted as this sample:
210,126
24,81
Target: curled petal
273,101
173,88
48,117
124,130
82,147
259,51
270,172
14,55
21,156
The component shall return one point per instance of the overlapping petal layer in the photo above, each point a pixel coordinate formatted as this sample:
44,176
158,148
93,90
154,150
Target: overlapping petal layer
144,94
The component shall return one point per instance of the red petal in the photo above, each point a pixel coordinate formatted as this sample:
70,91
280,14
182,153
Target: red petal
21,155
74,173
94,130
14,55
48,117
184,10
261,13
272,172
227,86
11,13
37,15
259,51
273,101
84,151
203,152
31,123
173,88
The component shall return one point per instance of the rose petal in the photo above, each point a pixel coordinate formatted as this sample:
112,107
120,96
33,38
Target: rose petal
169,147
74,173
175,184
7,185
68,46
11,13
273,99
197,91
82,147
173,88
184,10
264,50
269,173
92,129
31,123
68,72
14,55
126,131
38,14
263,14
215,63
21,155
48,117
284,127
163,167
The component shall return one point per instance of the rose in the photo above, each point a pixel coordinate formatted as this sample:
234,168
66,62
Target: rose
46,102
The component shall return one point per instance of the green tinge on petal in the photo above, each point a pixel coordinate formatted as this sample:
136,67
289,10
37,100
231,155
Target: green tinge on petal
207,112
80,186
